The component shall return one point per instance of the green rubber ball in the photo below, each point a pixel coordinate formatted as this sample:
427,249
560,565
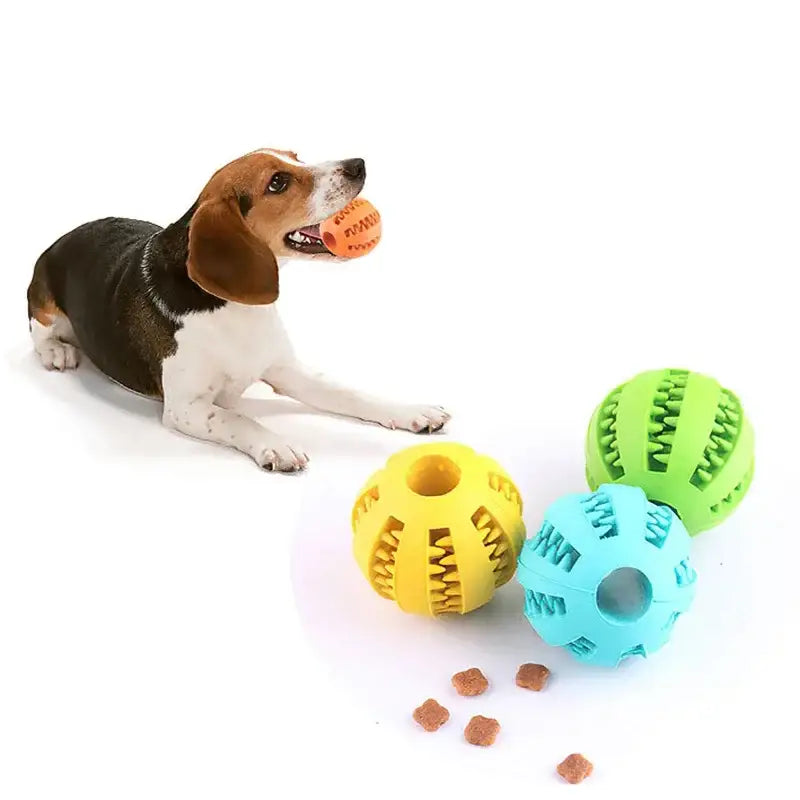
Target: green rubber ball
680,437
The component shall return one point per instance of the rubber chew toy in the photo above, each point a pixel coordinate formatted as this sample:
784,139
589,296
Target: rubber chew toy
354,231
679,436
438,529
607,575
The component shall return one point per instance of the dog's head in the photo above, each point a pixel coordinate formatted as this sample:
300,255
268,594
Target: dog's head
261,207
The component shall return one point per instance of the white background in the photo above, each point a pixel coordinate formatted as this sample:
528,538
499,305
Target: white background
571,192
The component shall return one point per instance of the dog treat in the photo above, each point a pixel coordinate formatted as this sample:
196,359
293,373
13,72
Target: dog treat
470,683
482,731
575,768
431,715
532,676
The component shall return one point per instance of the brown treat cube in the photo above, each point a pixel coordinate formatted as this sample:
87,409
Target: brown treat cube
532,676
575,768
482,731
470,683
431,715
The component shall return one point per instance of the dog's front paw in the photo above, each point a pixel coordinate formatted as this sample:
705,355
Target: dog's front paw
281,457
418,419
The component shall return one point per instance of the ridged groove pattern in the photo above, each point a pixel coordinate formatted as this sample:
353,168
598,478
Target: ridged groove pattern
503,485
366,501
672,620
685,574
497,543
607,434
552,546
538,604
722,440
659,521
600,512
734,496
444,582
582,646
639,650
382,563
664,418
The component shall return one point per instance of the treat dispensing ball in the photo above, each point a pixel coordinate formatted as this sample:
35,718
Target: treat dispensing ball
607,575
438,529
354,231
679,436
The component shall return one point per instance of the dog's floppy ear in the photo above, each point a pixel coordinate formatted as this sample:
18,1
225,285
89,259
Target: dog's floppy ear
226,258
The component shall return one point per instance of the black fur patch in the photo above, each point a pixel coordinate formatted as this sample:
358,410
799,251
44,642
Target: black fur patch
109,302
245,203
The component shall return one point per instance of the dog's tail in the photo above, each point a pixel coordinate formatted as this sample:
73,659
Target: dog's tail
41,303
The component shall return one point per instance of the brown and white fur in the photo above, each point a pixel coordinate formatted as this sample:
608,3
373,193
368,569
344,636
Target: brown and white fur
187,313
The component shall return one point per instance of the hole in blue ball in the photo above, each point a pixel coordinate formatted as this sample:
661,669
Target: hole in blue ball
624,595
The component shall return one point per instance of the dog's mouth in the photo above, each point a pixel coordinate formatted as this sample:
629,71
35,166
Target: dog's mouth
307,240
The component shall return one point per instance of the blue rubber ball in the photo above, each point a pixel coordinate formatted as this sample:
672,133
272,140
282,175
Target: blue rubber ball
607,575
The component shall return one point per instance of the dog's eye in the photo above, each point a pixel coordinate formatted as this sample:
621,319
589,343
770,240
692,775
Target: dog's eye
278,182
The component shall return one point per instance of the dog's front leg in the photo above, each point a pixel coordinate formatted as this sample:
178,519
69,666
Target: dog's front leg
198,416
294,380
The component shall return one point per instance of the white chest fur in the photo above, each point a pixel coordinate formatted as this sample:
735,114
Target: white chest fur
230,347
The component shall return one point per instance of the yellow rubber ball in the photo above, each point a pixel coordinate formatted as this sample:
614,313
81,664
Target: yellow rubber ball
438,529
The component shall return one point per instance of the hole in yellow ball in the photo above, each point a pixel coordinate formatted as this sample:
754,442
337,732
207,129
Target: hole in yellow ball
433,476
329,240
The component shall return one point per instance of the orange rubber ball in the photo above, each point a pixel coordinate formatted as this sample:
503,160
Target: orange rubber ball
354,231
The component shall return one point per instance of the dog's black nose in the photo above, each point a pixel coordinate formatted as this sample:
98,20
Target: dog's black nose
354,168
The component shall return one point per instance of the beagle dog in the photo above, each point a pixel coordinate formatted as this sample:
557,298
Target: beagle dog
187,313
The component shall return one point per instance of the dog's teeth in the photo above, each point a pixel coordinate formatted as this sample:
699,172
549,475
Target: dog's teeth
301,238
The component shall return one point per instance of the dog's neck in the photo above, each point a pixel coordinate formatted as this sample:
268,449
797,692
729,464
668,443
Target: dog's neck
165,272
173,241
